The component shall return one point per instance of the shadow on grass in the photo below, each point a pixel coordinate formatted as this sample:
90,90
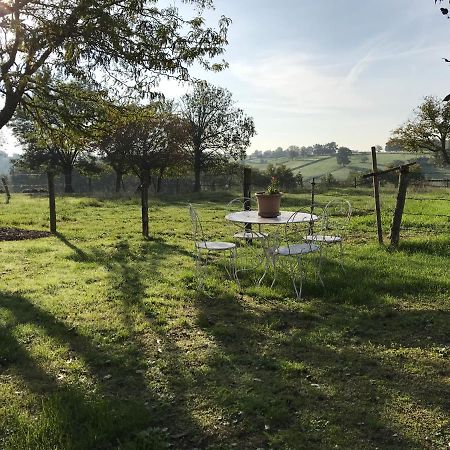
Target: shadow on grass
339,371
112,404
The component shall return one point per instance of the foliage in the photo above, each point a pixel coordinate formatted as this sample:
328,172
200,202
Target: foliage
274,187
343,156
329,179
126,45
283,174
216,126
415,174
59,121
427,131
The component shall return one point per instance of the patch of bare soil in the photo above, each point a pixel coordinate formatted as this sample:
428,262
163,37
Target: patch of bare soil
17,234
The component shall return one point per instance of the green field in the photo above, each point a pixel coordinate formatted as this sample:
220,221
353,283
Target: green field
105,342
319,166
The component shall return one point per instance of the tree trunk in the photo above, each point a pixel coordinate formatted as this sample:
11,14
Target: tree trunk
68,188
51,201
119,181
145,184
197,169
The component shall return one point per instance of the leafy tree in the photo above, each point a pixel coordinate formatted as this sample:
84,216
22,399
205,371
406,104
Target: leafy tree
343,156
325,149
39,154
283,174
299,179
216,126
122,44
91,167
427,131
329,179
156,138
62,116
293,151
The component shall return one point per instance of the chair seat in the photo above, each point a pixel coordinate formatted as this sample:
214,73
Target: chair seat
323,238
250,235
297,249
215,245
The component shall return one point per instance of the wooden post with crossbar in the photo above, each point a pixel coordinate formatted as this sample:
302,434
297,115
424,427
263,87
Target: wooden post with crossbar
401,197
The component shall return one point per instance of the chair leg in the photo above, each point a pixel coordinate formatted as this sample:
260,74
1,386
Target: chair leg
234,266
298,291
268,261
341,256
198,269
319,268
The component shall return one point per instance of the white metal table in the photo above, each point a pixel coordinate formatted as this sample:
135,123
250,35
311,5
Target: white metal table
252,218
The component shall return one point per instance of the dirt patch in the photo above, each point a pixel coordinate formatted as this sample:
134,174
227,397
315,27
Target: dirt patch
16,234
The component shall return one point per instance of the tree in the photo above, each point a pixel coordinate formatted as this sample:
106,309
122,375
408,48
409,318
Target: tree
427,131
63,116
283,174
122,44
343,156
216,126
156,138
294,151
39,155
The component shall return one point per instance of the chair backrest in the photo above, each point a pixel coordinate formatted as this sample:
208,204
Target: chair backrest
197,229
240,204
296,229
336,216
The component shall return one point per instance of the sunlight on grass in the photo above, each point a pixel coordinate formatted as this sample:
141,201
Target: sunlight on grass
105,341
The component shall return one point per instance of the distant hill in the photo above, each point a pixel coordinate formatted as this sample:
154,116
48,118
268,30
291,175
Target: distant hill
319,166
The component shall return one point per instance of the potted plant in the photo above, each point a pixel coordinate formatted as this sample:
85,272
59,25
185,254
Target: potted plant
269,200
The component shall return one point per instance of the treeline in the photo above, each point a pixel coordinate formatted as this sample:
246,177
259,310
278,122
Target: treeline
294,151
202,132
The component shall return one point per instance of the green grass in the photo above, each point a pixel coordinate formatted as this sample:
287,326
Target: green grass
105,342
319,166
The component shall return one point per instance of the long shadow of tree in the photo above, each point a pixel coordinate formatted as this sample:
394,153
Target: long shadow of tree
322,369
116,405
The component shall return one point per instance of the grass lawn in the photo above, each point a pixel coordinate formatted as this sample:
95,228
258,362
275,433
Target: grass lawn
106,343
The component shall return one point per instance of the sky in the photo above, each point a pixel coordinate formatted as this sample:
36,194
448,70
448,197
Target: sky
330,70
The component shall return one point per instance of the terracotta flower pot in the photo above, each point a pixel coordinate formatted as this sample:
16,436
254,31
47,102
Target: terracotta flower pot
268,204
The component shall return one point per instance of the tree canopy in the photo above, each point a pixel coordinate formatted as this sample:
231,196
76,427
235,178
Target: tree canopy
125,44
216,126
427,131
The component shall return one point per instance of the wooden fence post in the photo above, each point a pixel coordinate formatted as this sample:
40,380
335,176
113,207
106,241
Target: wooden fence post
247,185
376,194
400,205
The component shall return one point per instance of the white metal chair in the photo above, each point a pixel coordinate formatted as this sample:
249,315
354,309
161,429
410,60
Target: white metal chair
295,246
334,222
203,245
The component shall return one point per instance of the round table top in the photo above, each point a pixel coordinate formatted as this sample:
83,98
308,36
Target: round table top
283,218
